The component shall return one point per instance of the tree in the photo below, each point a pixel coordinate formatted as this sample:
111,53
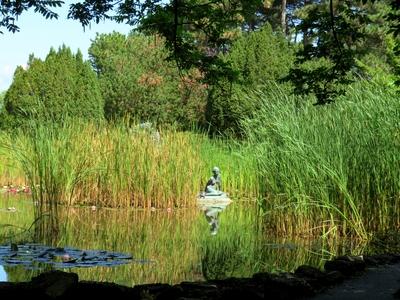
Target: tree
137,81
260,58
2,94
61,85
393,17
336,38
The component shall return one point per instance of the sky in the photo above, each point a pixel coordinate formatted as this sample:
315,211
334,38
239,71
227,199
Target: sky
38,34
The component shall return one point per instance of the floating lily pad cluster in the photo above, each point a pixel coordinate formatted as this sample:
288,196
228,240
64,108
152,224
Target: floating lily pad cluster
32,255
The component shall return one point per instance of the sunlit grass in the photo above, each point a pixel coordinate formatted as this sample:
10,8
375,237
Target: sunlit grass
331,168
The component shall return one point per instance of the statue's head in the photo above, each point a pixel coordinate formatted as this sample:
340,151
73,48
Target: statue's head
215,170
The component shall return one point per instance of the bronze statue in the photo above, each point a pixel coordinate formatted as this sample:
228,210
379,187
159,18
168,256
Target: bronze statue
213,186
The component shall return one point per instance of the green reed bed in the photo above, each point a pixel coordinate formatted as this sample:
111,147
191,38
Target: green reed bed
118,165
333,168
10,173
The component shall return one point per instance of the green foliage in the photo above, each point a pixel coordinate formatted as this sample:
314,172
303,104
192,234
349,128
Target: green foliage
331,33
393,17
259,58
2,95
336,162
137,81
194,31
337,34
11,10
61,85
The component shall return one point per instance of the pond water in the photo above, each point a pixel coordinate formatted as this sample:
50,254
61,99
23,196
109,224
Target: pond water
167,246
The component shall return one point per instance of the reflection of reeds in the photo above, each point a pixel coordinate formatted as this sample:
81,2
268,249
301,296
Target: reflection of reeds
180,246
165,241
331,164
242,247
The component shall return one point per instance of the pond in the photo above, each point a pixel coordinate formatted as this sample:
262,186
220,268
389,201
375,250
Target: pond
166,246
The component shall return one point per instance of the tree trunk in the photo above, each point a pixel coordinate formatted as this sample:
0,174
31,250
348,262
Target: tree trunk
306,40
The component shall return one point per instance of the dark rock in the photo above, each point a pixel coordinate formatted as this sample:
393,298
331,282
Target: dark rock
396,295
371,261
284,286
11,290
153,291
97,290
347,265
199,289
55,283
305,282
315,277
334,277
241,292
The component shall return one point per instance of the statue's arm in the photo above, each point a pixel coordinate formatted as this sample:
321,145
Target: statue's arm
209,182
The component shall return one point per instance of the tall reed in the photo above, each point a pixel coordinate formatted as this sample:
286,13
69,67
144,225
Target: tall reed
119,165
320,166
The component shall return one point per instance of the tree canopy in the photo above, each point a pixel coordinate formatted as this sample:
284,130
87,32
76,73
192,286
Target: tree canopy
137,81
198,33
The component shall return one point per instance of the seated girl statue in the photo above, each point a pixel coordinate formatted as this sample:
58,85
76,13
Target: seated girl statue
213,186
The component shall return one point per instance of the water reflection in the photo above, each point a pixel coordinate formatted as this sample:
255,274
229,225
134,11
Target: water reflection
177,242
3,274
211,212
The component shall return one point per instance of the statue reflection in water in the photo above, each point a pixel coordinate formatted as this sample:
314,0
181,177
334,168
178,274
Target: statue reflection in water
211,212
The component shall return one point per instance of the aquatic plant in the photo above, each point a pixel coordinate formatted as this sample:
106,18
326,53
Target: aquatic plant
329,169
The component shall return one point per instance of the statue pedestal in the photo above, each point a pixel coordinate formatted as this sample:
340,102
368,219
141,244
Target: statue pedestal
212,198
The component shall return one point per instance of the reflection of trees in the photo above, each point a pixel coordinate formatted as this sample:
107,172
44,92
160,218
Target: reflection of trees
46,229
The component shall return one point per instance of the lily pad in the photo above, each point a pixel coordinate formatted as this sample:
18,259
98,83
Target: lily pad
30,255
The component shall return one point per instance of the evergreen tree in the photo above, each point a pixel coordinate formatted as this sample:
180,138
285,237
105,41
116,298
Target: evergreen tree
260,58
2,94
61,85
342,40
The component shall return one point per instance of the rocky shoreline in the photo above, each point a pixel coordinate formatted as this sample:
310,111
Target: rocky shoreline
305,282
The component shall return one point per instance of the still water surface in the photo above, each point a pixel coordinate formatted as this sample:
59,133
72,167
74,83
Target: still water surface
167,246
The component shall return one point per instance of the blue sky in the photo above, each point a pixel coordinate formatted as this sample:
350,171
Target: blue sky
37,35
